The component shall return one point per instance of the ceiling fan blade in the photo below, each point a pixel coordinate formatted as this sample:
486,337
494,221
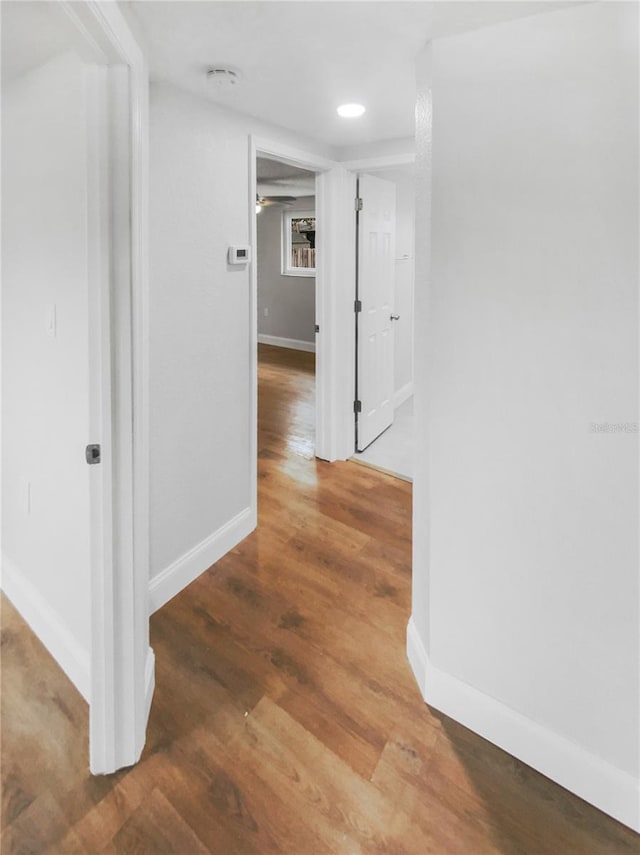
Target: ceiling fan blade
266,201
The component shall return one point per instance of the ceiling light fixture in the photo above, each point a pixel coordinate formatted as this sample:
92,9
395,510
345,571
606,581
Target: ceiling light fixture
350,111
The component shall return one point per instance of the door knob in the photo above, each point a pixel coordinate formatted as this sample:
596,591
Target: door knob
394,318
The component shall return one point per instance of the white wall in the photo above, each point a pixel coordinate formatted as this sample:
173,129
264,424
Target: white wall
380,148
199,332
290,300
525,619
45,382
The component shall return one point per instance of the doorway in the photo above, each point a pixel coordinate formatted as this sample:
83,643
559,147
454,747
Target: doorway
286,259
322,168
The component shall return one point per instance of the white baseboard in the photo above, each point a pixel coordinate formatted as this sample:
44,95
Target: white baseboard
143,721
189,566
48,626
613,791
403,394
149,682
291,343
417,656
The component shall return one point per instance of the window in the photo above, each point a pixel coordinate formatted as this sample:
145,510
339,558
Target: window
299,243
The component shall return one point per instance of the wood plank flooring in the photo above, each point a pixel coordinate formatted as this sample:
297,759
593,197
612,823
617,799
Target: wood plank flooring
285,719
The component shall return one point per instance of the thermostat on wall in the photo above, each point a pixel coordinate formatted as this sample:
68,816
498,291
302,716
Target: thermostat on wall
239,254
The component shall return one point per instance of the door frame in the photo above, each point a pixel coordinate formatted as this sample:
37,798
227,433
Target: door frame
330,177
335,293
121,661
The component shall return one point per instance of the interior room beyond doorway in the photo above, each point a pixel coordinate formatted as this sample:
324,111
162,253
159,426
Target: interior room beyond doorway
286,255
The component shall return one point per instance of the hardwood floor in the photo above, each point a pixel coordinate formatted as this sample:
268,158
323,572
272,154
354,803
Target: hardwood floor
285,718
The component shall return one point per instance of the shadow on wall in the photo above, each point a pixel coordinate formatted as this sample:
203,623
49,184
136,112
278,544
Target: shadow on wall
521,810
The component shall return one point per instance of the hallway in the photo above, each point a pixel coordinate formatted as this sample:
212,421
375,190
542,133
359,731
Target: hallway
285,718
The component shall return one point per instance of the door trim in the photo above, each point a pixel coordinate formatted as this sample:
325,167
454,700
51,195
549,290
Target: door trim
335,289
122,663
329,347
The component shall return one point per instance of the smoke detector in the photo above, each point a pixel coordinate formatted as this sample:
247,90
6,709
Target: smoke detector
223,77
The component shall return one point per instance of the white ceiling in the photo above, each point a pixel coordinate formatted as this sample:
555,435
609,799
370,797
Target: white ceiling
268,169
299,60
274,178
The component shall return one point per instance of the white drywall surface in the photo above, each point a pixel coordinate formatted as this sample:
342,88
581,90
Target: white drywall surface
45,379
199,319
379,148
526,521
289,300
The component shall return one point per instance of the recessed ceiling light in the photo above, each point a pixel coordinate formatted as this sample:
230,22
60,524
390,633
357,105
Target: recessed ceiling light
350,111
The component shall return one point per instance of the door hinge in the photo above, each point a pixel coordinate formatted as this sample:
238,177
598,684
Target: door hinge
92,454
357,305
357,406
316,328
358,203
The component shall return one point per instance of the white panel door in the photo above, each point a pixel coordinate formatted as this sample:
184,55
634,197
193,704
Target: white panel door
376,247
